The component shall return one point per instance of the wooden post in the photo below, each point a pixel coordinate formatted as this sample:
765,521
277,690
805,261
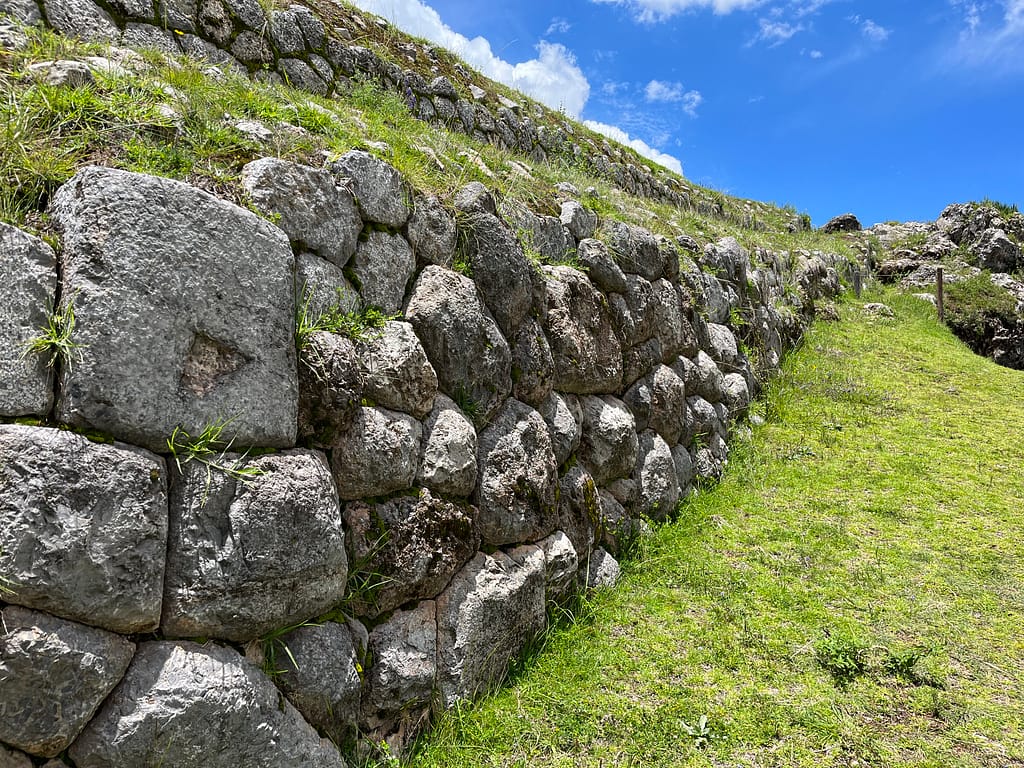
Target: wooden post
938,295
856,282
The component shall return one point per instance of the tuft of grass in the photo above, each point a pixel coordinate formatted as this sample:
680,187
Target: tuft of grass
357,324
210,449
54,341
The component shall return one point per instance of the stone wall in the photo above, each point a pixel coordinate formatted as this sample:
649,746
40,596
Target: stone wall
296,46
388,512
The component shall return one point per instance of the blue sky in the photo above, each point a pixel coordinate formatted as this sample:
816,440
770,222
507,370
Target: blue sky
889,110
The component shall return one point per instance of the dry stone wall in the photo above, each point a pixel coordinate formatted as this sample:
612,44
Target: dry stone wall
397,509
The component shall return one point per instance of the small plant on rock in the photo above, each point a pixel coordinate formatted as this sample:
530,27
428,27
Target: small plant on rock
357,324
54,340
209,449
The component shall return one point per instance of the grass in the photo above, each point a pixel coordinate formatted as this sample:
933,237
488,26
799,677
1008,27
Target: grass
54,341
209,448
357,324
851,593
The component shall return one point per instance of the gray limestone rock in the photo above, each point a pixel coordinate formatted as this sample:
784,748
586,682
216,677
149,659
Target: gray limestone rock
13,759
702,377
658,402
298,74
474,198
578,325
544,235
636,250
723,349
247,556
381,270
12,38
215,22
322,287
69,74
846,222
252,49
601,267
396,372
25,11
579,508
407,549
83,527
164,711
179,323
404,670
561,564
313,210
249,13
638,361
671,327
431,232
285,33
617,527
701,418
149,36
379,189
608,447
330,388
736,394
313,30
178,14
532,365
487,614
517,477
581,222
82,19
564,417
26,297
55,675
633,312
470,356
500,269
377,455
603,570
318,670
656,478
448,460
684,468
997,252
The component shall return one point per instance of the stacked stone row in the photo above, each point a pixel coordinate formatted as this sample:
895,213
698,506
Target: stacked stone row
418,491
295,46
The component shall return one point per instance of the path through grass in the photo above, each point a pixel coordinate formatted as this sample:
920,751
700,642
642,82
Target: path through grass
852,594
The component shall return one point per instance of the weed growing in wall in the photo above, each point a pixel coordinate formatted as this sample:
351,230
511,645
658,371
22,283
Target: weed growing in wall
209,449
357,324
54,341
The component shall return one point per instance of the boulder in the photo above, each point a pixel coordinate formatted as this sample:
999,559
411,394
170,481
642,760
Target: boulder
67,74
736,394
517,480
608,447
330,388
178,323
577,322
671,327
470,356
564,417
723,348
379,189
307,203
381,270
252,554
14,759
82,19
658,401
655,477
406,549
684,468
593,257
83,527
55,675
317,667
26,298
580,222
701,419
633,312
396,372
404,670
486,615
636,250
617,527
379,454
448,459
997,252
322,288
561,564
25,11
579,508
701,376
164,710
638,361
603,570
431,232
533,368
845,222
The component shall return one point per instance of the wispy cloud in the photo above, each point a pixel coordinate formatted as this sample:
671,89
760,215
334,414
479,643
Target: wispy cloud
642,147
815,54
558,26
552,78
873,31
775,33
991,40
650,11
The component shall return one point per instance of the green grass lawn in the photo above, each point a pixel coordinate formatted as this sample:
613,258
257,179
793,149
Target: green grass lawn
851,594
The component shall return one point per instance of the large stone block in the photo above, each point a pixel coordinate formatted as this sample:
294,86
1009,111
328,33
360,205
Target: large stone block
192,706
82,19
83,527
379,189
396,372
608,446
381,270
656,477
248,556
448,458
516,492
179,322
564,417
404,653
55,675
377,455
26,298
489,611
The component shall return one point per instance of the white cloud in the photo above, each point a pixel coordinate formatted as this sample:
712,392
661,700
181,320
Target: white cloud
659,10
553,78
874,31
992,39
816,54
775,32
642,147
658,91
692,100
558,26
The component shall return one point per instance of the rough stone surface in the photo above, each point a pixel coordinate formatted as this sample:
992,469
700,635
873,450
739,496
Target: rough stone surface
603,570
655,476
633,311
736,394
601,267
448,459
489,611
579,508
178,322
55,675
684,467
997,252
500,268
723,349
703,378
81,19
586,352
330,388
26,296
533,368
581,222
517,480
431,231
404,670
618,528
378,454
381,270
701,418
608,447
470,356
83,527
379,189
846,222
564,417
318,672
396,372
247,557
163,711
25,11
409,547
322,286
658,401
68,74
561,563
636,250
671,327
307,203
13,759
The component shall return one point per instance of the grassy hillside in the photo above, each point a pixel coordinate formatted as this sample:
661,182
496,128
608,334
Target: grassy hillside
852,594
